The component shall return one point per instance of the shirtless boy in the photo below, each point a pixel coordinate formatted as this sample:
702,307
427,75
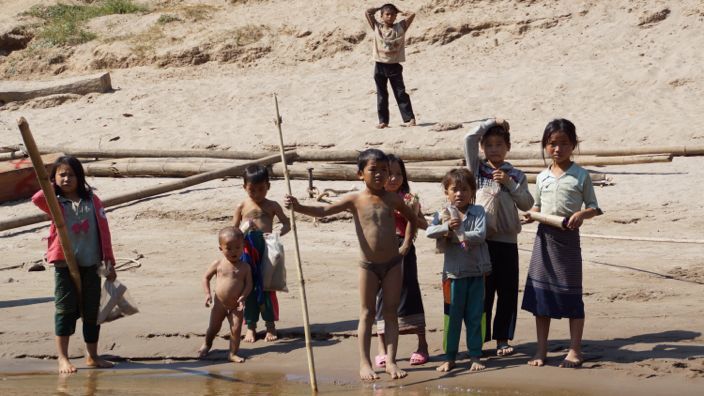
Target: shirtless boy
258,213
233,283
373,212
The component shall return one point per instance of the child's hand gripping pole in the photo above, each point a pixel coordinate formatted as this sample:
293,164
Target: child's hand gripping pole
304,303
54,208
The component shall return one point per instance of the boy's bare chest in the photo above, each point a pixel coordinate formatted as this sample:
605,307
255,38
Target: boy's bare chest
230,271
375,212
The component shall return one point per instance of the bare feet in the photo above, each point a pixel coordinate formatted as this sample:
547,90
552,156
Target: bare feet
366,373
250,335
204,350
382,125
537,361
410,123
97,362
447,366
572,360
65,366
476,364
237,359
394,371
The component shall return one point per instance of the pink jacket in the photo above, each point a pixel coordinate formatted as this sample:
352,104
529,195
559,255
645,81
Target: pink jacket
54,252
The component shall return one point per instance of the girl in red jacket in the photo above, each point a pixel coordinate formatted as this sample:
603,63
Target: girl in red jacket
89,234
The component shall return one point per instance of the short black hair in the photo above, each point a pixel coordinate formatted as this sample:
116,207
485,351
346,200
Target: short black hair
388,7
254,174
497,130
560,125
462,176
369,155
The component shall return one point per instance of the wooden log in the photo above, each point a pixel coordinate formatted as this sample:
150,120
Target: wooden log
349,172
230,171
350,156
144,153
17,178
12,91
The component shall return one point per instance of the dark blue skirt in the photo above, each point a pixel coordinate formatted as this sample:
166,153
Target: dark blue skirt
554,284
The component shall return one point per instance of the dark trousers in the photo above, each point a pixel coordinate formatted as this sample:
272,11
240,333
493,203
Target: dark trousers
503,281
66,303
391,72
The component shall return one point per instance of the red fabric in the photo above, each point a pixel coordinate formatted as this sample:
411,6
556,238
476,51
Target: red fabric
54,252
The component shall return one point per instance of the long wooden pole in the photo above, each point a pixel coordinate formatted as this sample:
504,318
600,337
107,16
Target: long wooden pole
301,282
54,208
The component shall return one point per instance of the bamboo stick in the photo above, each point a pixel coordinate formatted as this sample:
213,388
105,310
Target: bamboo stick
304,302
54,208
632,238
230,171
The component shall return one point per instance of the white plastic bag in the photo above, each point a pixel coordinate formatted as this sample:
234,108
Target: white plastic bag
488,198
115,302
273,264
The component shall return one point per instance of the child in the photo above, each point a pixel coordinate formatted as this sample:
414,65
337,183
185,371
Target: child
373,210
258,212
554,285
511,185
411,316
389,52
233,283
89,234
465,266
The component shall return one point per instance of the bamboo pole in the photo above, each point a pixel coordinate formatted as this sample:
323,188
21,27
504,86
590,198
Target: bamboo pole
408,155
54,208
349,172
145,153
304,303
229,171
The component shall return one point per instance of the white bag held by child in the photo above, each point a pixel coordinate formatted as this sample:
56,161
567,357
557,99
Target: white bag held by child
115,301
273,268
488,198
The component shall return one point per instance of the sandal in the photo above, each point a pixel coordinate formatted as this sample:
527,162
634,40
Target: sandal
380,361
419,358
504,350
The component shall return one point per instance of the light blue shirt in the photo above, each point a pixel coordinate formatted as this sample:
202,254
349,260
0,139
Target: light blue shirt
564,195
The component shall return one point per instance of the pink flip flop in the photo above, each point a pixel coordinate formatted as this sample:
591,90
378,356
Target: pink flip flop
418,358
380,361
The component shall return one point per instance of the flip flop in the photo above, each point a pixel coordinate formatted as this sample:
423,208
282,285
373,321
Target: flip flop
419,358
503,350
380,361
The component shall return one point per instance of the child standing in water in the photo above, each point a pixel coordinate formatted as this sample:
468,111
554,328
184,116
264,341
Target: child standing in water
233,283
373,212
389,52
89,235
554,285
411,316
258,212
510,189
466,263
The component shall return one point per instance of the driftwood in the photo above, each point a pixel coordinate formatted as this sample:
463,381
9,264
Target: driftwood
408,155
12,91
349,172
141,153
230,171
